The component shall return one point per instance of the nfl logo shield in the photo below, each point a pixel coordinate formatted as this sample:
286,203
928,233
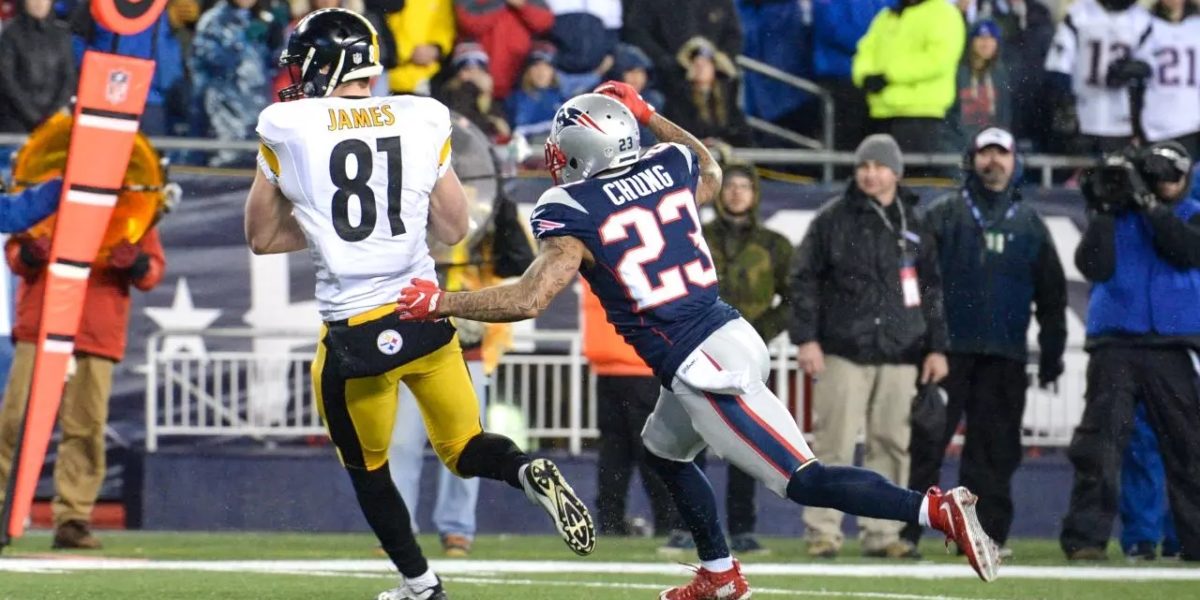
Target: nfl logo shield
118,86
357,58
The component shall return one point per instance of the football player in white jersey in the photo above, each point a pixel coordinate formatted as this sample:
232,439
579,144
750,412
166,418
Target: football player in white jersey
359,182
1171,108
1093,35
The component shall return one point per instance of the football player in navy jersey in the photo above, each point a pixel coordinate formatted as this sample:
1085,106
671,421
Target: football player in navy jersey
627,221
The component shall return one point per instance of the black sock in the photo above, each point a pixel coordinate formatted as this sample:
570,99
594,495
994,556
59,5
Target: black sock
492,456
697,504
855,491
389,518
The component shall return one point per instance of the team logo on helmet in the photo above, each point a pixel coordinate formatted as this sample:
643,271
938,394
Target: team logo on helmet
573,116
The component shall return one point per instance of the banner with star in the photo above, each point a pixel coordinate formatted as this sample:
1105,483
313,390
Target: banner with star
110,99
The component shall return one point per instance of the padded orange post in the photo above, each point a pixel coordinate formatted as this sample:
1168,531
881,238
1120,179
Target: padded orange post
112,94
127,17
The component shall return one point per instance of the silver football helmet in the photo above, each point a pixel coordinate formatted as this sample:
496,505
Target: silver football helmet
591,133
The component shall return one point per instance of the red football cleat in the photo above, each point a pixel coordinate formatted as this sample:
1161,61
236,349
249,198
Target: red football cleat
706,585
953,513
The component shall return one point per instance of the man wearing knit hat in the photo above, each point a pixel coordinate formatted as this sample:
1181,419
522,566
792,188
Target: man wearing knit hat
868,310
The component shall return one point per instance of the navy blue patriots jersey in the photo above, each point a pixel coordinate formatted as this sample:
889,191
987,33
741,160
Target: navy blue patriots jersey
653,272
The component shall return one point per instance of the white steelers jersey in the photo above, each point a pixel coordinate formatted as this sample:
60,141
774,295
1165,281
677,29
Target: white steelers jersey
359,172
1172,103
1087,41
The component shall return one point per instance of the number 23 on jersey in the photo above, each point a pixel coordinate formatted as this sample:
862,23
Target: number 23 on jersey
649,226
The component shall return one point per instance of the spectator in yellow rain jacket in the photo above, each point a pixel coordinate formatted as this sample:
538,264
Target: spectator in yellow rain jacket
906,64
424,33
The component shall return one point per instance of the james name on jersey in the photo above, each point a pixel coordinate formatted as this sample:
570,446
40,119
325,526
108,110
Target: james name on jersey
354,118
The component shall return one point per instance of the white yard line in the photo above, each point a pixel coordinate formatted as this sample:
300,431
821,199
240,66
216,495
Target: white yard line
506,567
660,587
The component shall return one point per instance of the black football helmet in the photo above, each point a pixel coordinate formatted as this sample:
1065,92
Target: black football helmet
328,48
1117,5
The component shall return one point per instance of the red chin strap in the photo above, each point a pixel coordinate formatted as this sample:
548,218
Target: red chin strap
555,161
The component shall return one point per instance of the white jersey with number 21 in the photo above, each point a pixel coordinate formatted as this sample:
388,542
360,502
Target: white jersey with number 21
1172,104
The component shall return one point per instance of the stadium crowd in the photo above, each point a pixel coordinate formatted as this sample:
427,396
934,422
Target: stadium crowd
928,75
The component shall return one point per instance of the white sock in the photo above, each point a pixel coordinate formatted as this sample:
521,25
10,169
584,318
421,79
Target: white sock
719,565
521,473
422,582
923,515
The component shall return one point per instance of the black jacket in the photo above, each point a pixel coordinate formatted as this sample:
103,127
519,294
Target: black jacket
661,28
37,71
990,279
846,284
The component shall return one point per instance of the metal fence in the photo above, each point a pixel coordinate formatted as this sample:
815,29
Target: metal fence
266,395
1046,165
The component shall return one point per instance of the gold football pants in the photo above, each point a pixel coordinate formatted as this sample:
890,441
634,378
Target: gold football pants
359,412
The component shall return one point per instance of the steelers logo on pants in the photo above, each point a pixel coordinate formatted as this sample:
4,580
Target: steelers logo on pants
389,342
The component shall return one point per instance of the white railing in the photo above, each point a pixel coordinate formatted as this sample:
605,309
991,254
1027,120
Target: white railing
241,393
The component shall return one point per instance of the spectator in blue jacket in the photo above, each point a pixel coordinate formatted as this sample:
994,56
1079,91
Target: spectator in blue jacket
837,25
997,260
632,66
166,104
233,62
1145,512
776,32
586,33
532,105
23,210
1142,256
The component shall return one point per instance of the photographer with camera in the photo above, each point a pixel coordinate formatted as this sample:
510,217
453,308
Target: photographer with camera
1141,251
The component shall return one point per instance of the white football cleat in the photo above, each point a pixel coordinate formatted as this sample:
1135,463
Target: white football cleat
953,513
405,592
545,486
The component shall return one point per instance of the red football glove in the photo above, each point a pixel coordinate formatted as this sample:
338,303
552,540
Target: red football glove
123,255
419,302
642,111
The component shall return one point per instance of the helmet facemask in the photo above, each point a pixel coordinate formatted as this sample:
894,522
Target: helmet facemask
297,89
556,161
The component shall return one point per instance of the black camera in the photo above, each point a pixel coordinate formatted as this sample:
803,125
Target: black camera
1116,184
1128,179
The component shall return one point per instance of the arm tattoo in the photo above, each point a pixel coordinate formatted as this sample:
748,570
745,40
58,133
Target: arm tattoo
555,268
710,172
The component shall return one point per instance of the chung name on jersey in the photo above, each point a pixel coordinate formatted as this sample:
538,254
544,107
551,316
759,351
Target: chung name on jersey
641,183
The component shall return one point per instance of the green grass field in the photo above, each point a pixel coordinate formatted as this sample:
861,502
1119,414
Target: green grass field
137,565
